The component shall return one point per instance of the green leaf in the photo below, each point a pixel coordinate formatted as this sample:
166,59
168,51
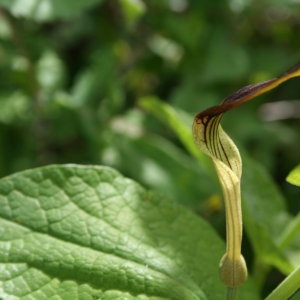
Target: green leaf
133,10
294,176
265,213
50,72
289,241
166,48
47,10
13,107
76,232
180,122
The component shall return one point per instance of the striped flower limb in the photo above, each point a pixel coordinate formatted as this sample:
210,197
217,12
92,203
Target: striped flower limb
211,139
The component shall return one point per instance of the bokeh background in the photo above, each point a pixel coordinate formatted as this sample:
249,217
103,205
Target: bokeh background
76,77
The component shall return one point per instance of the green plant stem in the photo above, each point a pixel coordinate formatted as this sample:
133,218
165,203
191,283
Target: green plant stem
287,288
231,292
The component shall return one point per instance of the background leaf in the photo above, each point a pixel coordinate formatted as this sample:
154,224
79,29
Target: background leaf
294,176
173,118
265,213
133,10
47,10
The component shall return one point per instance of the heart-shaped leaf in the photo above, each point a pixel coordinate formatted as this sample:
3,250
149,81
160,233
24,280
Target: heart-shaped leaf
75,232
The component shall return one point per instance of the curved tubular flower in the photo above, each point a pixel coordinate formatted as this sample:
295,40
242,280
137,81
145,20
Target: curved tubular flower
210,138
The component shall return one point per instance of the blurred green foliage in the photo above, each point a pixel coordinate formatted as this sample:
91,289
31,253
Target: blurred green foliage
73,74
